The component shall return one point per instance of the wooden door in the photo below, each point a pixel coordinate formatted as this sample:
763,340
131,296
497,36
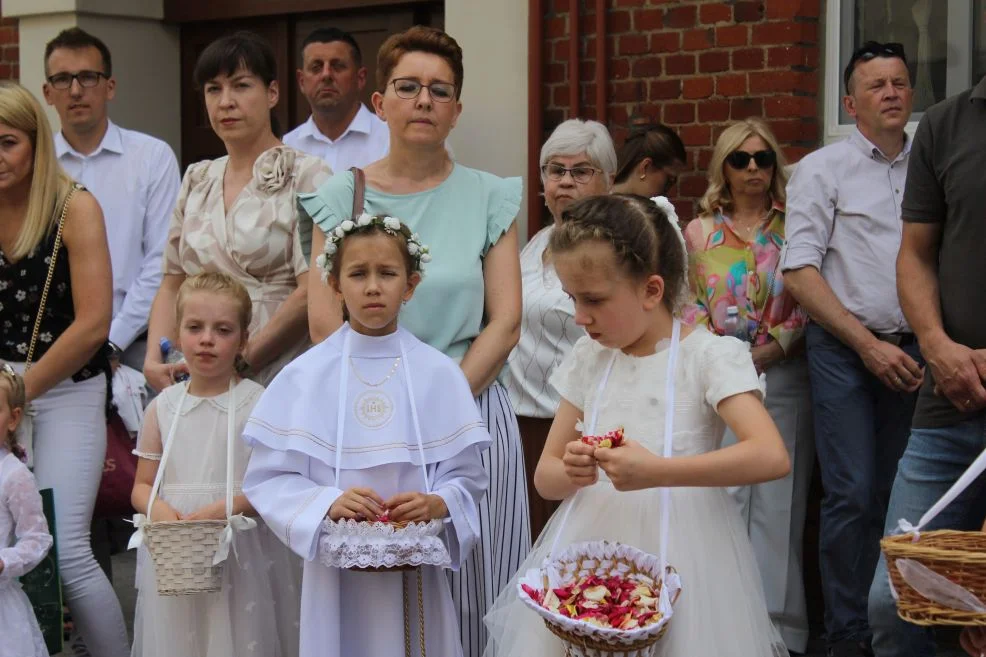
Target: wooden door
285,32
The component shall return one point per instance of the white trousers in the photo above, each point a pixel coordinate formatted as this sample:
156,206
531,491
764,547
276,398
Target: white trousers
774,512
69,450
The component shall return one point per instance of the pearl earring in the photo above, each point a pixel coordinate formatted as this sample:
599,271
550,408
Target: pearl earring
643,176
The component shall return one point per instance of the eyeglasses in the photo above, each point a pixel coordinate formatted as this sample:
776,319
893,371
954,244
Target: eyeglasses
872,50
741,159
409,88
580,175
87,79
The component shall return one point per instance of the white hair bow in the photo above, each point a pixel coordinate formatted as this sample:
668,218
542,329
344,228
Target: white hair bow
667,207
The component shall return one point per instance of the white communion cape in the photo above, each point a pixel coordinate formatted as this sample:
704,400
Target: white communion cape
398,393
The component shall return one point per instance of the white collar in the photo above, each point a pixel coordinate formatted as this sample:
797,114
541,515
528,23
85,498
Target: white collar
361,123
112,141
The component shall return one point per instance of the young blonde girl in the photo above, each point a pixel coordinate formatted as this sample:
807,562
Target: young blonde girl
256,610
623,263
24,537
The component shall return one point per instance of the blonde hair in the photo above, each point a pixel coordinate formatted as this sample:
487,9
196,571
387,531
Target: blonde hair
217,283
50,184
717,196
12,384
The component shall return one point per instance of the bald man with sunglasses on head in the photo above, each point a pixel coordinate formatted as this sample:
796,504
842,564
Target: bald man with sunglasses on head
844,232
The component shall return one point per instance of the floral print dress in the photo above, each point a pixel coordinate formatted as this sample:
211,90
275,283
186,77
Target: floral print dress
261,239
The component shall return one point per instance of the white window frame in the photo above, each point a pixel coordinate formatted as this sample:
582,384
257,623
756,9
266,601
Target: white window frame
958,74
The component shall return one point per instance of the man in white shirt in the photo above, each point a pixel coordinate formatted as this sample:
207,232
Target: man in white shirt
340,130
134,177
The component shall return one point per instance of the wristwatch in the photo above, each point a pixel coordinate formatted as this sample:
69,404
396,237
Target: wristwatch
115,352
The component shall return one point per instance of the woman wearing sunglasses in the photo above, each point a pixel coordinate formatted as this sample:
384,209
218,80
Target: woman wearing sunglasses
734,248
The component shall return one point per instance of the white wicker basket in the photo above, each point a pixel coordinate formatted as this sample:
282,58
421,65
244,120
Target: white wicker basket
182,553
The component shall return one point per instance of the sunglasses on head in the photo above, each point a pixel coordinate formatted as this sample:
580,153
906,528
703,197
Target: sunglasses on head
872,50
741,159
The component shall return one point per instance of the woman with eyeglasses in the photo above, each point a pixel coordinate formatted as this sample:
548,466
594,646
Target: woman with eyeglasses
468,305
649,161
577,160
734,250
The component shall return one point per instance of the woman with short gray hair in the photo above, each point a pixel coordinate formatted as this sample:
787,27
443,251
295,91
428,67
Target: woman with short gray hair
577,160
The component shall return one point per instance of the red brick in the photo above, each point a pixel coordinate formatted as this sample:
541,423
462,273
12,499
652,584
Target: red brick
8,35
781,56
617,22
788,106
713,62
749,12
698,87
748,59
559,50
633,44
665,42
742,108
695,135
685,211
645,20
794,130
732,35
808,83
617,68
794,153
556,27
647,67
703,160
665,89
681,16
767,34
677,113
773,81
12,54
731,85
623,92
694,186
715,13
630,3
787,9
710,111
559,95
679,64
697,40
554,72
618,115
6,71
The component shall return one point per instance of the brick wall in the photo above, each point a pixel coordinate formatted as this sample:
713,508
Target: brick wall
693,65
9,49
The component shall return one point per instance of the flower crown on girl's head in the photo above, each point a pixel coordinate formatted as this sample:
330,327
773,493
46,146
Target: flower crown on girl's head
391,225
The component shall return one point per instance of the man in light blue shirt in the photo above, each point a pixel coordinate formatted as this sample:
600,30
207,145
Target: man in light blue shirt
340,130
134,177
843,234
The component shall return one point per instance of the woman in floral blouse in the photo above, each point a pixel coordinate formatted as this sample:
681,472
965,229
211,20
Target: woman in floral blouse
237,214
734,248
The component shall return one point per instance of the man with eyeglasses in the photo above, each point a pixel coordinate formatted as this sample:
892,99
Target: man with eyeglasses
940,274
134,177
340,130
843,235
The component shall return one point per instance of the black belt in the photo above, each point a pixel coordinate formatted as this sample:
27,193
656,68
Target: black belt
896,339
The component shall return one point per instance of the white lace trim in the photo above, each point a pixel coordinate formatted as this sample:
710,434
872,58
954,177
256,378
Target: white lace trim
351,544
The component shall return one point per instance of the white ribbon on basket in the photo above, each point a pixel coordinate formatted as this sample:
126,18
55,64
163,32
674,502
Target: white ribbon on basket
924,580
236,523
669,388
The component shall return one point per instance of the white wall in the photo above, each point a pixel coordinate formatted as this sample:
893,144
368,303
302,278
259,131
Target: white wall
492,131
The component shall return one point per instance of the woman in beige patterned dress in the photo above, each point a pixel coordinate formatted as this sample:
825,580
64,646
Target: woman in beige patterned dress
237,214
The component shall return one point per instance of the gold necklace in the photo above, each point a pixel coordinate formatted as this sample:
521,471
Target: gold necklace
352,364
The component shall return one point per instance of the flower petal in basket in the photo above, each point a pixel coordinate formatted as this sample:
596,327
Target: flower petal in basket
603,559
369,545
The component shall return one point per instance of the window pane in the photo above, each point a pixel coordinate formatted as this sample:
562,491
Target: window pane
979,37
920,25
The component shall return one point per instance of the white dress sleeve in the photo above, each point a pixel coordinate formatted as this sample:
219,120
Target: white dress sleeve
571,379
461,482
727,370
19,494
149,442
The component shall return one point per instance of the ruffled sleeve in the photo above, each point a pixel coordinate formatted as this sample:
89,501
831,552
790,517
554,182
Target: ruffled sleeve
149,439
311,173
505,197
570,378
727,370
172,255
331,203
19,493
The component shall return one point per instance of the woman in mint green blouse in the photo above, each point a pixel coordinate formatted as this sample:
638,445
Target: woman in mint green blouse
469,303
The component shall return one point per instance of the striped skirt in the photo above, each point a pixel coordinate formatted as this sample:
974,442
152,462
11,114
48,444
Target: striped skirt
505,525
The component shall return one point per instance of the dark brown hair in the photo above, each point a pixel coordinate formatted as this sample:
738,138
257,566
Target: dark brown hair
640,233
373,229
655,141
75,38
419,39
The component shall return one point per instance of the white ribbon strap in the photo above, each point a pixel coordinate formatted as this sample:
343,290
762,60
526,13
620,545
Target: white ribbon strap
414,416
669,388
970,475
938,588
341,414
239,522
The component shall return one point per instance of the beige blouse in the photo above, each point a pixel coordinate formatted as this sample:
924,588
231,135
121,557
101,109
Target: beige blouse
262,240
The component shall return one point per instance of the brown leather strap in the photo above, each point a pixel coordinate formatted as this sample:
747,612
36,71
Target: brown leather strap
359,192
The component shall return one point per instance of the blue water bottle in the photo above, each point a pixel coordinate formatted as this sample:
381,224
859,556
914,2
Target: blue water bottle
172,356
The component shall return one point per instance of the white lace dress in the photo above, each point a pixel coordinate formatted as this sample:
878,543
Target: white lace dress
24,542
256,612
721,610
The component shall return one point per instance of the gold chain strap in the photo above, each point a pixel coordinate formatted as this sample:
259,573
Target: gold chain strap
421,615
51,274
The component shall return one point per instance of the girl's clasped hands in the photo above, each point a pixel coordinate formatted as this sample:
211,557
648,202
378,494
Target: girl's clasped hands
631,466
365,504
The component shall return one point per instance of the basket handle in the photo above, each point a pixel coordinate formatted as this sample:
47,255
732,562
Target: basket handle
970,475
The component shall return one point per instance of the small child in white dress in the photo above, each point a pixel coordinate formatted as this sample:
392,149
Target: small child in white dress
622,260
256,612
371,424
24,537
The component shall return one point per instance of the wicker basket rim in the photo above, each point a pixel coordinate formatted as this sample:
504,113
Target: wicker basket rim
603,644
